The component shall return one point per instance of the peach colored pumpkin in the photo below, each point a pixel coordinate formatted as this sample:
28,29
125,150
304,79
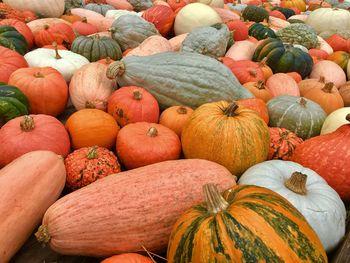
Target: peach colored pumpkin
307,84
176,41
102,23
324,45
29,186
152,45
85,13
277,23
226,15
330,70
161,2
39,24
120,4
242,50
282,84
90,87
84,28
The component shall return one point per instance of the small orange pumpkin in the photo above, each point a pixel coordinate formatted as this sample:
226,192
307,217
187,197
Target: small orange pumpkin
259,90
308,84
128,258
175,118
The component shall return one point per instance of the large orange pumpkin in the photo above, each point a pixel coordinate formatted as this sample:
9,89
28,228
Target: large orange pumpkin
61,33
45,88
89,127
233,136
10,61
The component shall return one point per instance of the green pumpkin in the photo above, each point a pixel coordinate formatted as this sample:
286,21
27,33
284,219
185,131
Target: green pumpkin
179,78
12,39
95,47
259,31
282,58
255,13
130,31
69,4
295,21
301,34
297,114
13,103
98,8
209,41
140,5
285,11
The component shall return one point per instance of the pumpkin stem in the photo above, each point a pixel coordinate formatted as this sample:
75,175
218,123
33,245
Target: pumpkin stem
108,60
297,183
260,84
116,69
230,110
347,117
42,235
84,20
303,102
328,87
137,94
322,79
27,123
262,63
46,27
215,201
90,105
38,75
181,110
152,132
92,154
56,50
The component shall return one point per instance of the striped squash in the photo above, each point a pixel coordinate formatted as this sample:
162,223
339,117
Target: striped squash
297,114
246,224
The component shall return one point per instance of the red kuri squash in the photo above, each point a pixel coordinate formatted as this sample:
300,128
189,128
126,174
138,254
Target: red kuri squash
162,17
10,61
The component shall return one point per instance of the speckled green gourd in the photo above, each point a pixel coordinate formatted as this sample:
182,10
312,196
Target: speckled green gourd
181,78
301,34
255,13
297,114
98,8
95,47
130,31
207,41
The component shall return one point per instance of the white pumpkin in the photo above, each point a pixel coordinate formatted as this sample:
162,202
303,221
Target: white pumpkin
90,87
195,15
308,192
335,120
115,14
328,19
66,62
46,8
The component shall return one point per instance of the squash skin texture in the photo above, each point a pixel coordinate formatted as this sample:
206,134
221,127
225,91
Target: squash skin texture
181,78
80,224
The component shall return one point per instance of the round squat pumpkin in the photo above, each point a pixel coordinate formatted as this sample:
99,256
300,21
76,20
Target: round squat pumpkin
89,127
140,144
32,133
45,88
231,135
128,258
86,165
245,224
175,118
10,61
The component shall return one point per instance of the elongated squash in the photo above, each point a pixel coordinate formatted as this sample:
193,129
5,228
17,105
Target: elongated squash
179,78
29,185
122,212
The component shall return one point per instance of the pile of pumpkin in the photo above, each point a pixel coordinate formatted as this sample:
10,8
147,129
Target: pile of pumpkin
172,103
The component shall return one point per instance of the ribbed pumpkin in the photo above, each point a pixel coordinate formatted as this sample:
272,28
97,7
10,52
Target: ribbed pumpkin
245,224
136,141
133,104
231,135
260,31
86,165
329,155
283,57
162,17
89,127
22,28
244,70
327,97
12,39
344,91
282,84
257,105
95,47
31,133
297,114
10,61
283,143
90,88
308,84
99,8
61,33
45,88
259,90
175,118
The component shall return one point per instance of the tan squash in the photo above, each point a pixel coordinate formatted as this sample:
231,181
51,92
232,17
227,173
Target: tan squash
151,45
29,185
120,213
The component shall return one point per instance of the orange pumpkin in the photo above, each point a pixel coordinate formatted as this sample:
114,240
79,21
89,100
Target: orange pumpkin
10,61
338,42
239,28
45,88
282,84
176,4
60,33
315,4
175,118
259,90
69,17
162,17
278,14
128,258
340,57
308,84
300,4
257,105
105,61
89,127
22,28
140,144
295,75
267,71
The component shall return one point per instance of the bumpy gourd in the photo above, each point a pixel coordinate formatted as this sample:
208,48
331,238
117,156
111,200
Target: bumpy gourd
301,34
255,13
181,78
208,41
101,9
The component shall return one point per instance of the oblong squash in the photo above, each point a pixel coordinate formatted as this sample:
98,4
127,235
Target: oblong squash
119,213
29,185
179,78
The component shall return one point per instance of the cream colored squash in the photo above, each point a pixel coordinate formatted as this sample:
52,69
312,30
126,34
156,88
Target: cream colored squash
115,14
213,3
66,62
46,8
335,120
308,192
195,15
151,45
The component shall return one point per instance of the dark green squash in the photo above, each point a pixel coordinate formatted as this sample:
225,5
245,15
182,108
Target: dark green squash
259,31
286,11
13,103
255,13
95,47
283,57
12,39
